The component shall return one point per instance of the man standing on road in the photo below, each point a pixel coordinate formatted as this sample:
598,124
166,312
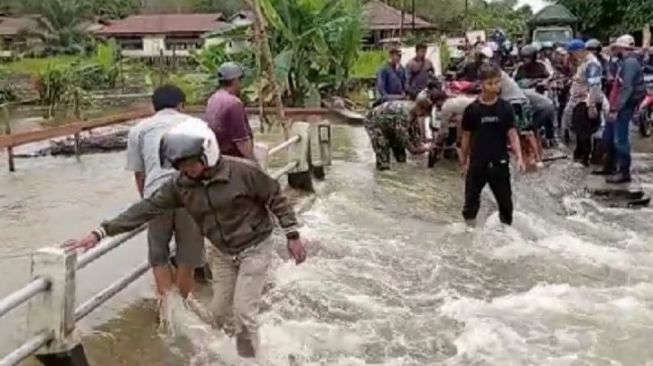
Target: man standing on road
419,71
627,91
231,200
586,98
226,114
143,159
488,127
391,79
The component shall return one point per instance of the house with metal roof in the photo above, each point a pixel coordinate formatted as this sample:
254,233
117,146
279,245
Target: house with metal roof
384,23
15,31
152,35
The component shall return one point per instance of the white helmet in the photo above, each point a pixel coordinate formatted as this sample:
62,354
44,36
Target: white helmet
537,45
486,51
191,138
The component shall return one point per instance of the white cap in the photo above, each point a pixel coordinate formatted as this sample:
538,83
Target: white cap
625,41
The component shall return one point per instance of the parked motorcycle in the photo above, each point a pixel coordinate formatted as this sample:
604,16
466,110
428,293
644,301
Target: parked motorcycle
645,117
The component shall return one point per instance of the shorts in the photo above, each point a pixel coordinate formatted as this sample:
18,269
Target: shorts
190,241
523,117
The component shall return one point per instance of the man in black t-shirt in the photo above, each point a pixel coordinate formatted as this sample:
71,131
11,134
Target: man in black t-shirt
488,125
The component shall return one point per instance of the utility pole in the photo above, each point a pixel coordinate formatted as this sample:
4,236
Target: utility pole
466,21
401,24
267,63
413,11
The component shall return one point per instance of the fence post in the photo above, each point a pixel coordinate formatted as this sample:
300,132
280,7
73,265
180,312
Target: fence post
10,149
261,154
323,138
54,310
300,177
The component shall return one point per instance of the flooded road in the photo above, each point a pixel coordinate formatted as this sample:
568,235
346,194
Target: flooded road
394,278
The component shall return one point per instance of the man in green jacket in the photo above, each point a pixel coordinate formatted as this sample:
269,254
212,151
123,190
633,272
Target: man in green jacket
230,199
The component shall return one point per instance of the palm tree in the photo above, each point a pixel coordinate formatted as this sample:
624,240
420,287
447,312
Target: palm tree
61,23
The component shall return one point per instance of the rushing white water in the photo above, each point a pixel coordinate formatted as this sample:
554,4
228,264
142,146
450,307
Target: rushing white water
394,278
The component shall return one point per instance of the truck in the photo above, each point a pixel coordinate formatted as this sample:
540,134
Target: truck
554,23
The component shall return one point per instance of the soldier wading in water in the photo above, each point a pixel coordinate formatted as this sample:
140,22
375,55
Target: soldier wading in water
230,199
393,126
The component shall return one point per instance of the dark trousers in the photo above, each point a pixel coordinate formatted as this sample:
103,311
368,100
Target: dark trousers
498,177
607,140
622,137
584,127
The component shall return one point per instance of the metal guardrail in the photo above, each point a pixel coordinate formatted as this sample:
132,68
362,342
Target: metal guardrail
52,314
11,140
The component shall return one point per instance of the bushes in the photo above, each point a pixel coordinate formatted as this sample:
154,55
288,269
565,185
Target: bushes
368,64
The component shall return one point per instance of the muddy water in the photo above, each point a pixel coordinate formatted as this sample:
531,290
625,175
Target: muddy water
393,279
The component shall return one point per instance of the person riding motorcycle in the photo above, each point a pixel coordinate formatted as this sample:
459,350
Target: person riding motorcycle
532,76
469,71
530,68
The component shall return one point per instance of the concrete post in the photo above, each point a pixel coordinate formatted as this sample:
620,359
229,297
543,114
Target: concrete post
300,177
77,144
323,140
261,154
54,309
10,150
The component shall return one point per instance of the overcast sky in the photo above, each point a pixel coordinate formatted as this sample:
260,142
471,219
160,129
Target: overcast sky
535,4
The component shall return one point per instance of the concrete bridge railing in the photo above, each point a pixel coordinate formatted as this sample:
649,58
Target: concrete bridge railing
51,295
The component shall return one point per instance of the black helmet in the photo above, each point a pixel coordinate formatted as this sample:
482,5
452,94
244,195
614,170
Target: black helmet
189,139
528,51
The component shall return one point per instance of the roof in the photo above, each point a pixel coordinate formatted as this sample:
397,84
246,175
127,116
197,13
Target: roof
10,26
380,16
553,14
165,24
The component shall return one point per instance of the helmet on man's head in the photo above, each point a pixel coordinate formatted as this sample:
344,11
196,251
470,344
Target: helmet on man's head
575,45
537,45
486,51
528,51
547,46
229,71
593,45
190,139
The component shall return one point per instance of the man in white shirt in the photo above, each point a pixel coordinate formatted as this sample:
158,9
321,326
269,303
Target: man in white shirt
143,158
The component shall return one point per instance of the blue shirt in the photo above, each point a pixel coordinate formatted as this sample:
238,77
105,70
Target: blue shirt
632,82
391,82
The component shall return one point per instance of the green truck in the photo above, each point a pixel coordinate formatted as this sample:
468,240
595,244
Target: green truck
554,23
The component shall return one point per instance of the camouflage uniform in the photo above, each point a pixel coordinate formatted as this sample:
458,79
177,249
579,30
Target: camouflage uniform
391,127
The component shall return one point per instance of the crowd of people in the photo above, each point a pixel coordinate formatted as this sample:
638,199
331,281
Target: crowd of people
481,109
198,178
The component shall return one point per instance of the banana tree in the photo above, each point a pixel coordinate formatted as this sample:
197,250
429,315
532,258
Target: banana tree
316,42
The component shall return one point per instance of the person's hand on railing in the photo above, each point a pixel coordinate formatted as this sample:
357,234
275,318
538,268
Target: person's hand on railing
297,250
85,244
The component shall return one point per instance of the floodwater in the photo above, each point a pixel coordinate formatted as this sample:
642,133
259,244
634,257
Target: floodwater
393,278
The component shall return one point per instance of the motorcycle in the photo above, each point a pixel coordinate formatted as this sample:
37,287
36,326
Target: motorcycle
645,117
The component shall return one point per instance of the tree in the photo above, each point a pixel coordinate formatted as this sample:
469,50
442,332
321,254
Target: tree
315,42
604,18
114,9
62,23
